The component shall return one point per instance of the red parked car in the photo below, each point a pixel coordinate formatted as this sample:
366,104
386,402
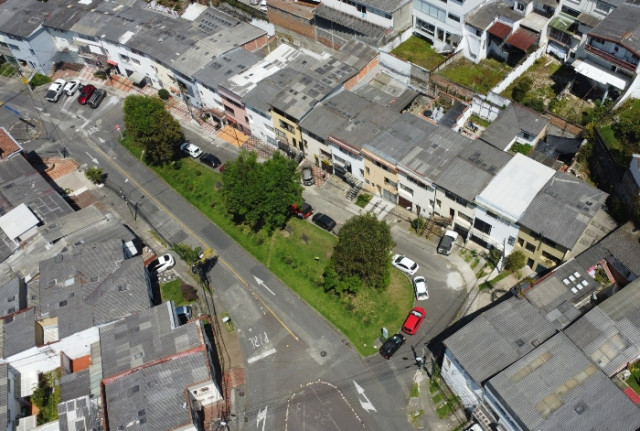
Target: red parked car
414,320
85,93
302,211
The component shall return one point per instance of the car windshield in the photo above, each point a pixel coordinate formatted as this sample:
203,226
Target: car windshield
416,313
399,259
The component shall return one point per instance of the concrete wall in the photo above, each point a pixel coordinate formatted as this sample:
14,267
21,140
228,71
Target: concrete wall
518,71
490,106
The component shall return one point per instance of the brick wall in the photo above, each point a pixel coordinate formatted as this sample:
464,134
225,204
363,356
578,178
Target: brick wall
564,124
256,44
291,22
365,70
450,87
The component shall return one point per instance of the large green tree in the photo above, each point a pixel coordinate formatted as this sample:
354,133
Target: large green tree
362,253
152,127
259,194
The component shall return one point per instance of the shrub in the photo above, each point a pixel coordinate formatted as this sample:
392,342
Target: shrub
38,80
515,261
418,223
100,74
164,94
535,103
188,292
94,175
521,148
521,88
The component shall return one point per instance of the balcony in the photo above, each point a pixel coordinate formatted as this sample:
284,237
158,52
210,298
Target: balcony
611,58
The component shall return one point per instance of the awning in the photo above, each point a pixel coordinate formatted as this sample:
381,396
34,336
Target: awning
522,39
112,62
599,74
500,29
137,78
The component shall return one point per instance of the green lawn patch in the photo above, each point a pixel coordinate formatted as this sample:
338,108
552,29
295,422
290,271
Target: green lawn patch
8,70
480,77
479,121
419,52
489,284
634,381
297,255
433,386
171,291
443,411
415,391
474,263
437,398
521,148
363,199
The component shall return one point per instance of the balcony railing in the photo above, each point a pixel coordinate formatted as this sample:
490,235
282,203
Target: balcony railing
611,58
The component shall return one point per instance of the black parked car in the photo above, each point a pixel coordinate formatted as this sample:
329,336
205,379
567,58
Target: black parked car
324,221
96,98
392,345
210,160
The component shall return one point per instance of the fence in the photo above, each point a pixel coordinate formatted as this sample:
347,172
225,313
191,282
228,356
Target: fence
520,69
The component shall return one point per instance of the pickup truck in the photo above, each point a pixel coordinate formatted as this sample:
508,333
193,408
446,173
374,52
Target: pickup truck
55,90
446,242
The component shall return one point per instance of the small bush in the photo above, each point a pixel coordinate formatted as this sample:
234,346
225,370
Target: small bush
164,94
535,103
100,75
363,199
94,175
521,88
188,292
38,80
515,261
418,223
521,148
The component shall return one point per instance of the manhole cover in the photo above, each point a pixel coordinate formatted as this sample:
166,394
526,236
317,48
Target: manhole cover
241,393
323,353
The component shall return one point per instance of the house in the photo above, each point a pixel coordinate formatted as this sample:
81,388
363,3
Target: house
13,295
563,219
556,386
151,350
486,29
18,332
443,23
93,280
504,201
515,124
336,130
611,53
490,343
9,147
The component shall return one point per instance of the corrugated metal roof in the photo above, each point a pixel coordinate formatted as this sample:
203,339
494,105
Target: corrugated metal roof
500,29
522,39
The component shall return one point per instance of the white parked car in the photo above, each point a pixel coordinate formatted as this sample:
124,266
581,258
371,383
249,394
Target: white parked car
420,287
404,264
161,263
55,90
190,149
71,87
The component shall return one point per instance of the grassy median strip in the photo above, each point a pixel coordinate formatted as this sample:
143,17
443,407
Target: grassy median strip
297,255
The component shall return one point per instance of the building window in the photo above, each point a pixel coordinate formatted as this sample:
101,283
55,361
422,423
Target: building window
530,247
432,10
603,7
521,242
520,7
124,57
362,8
406,189
478,32
482,226
135,60
511,240
464,217
425,26
454,17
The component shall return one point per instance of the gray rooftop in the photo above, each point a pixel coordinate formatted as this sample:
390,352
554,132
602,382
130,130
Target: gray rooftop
418,145
511,121
311,86
562,209
80,414
559,292
358,26
264,93
556,387
13,296
70,223
498,337
224,67
609,334
468,173
621,26
356,54
23,17
145,337
486,14
4,393
18,332
621,245
349,118
387,91
95,282
155,394
389,6
75,385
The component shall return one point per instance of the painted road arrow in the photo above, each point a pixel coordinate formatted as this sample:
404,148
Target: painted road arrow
366,404
261,283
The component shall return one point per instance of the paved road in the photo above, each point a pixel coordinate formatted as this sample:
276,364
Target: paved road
297,365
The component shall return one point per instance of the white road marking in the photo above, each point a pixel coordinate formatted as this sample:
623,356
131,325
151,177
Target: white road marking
261,356
366,404
261,283
93,159
261,417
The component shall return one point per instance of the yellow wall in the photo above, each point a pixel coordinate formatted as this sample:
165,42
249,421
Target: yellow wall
375,174
293,134
526,238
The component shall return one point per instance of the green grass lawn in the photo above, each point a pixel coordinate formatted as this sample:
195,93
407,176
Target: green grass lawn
634,381
419,52
540,73
8,70
291,255
617,149
171,292
480,77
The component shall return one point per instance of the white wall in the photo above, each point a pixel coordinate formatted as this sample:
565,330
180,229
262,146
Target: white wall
518,71
490,106
341,156
261,126
420,194
460,382
209,98
353,11
38,50
501,231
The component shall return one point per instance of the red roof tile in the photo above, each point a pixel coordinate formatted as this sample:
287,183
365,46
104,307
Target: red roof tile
522,39
632,395
500,30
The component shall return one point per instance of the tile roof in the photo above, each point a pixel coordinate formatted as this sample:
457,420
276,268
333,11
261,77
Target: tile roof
13,296
145,337
510,123
486,14
155,395
23,17
80,414
623,244
4,393
93,280
500,29
225,66
8,145
609,334
498,337
556,387
562,209
387,91
301,10
75,385
622,26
